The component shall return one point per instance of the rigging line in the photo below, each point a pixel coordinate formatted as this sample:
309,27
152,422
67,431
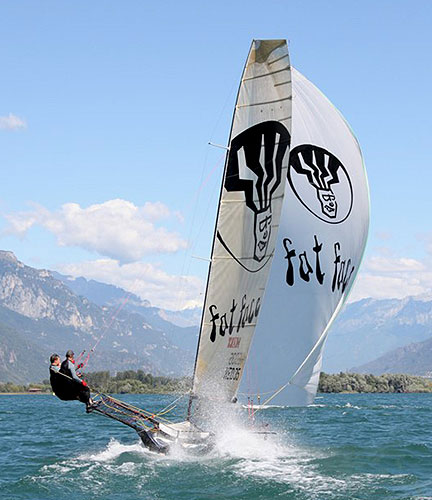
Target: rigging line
204,219
115,416
186,266
181,283
317,344
139,410
192,203
224,107
207,179
113,317
136,418
166,411
173,402
255,393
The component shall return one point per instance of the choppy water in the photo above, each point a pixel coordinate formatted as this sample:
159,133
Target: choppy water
365,446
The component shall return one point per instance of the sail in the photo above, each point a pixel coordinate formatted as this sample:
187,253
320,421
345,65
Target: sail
247,222
322,235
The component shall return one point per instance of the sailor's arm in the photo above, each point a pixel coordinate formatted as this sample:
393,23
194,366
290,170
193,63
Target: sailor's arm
73,372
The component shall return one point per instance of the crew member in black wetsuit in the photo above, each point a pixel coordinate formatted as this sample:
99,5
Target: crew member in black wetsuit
55,378
78,387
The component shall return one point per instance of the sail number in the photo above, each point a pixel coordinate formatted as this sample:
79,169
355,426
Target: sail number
234,368
232,373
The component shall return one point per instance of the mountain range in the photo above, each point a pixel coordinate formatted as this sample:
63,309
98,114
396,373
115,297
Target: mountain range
371,328
40,314
415,358
43,311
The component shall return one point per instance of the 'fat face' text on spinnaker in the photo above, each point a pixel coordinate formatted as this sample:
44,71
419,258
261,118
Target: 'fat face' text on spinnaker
342,268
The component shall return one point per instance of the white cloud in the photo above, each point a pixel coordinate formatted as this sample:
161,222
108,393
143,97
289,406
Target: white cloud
116,228
12,122
393,265
148,281
392,277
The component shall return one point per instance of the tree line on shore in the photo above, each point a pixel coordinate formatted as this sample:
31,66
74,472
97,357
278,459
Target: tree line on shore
129,381
138,382
357,382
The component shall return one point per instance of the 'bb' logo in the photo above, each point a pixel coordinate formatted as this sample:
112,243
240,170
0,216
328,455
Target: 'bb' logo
254,168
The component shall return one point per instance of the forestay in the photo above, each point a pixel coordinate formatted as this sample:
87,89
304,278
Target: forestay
247,222
324,225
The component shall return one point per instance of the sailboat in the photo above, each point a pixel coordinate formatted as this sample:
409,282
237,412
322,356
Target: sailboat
325,189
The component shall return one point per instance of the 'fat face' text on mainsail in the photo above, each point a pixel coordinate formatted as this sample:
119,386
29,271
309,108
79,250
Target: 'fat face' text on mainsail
232,320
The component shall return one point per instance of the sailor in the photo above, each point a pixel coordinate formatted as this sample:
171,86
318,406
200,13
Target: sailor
55,362
77,387
55,378
65,383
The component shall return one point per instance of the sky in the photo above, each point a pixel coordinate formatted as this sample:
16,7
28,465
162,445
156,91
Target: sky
107,108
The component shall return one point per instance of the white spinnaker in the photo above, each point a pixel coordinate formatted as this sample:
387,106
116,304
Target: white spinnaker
248,218
298,310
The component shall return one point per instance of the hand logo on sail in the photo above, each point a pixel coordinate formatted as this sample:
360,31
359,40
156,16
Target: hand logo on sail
254,168
321,183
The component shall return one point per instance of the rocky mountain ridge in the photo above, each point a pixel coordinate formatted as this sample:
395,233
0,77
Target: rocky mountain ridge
46,315
413,359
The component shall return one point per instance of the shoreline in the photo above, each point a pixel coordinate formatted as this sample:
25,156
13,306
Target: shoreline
165,393
25,393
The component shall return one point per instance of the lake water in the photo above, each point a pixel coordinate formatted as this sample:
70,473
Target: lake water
365,446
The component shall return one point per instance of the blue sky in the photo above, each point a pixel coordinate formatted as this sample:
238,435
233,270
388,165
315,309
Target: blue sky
107,101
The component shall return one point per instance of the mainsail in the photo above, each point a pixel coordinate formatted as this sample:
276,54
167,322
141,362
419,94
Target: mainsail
248,218
322,235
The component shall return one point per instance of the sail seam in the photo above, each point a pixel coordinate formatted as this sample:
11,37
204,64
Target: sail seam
278,59
266,74
281,83
237,258
245,326
276,144
264,102
255,199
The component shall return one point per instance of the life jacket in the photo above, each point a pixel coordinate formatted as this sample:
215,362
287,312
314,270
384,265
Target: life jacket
55,381
65,368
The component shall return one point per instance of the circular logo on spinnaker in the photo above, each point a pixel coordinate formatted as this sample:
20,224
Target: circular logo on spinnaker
321,183
254,170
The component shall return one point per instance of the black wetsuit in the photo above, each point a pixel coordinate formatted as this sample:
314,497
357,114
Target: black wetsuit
67,386
56,381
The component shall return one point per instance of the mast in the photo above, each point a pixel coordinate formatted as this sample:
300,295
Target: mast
247,221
